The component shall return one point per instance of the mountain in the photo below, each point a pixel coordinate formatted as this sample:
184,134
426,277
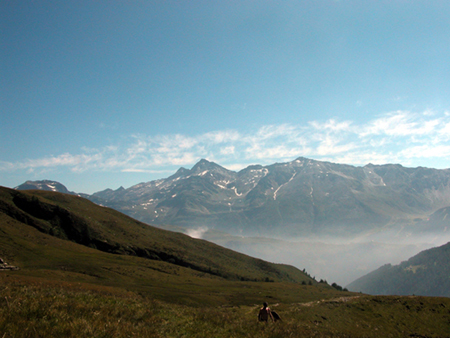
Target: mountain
425,274
114,276
294,198
46,185
42,230
301,197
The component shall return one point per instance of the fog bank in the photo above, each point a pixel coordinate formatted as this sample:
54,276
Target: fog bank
339,260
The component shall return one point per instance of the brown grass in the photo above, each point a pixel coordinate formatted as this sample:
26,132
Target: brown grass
34,308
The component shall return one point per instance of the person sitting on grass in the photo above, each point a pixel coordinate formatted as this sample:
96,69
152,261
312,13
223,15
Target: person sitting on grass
265,313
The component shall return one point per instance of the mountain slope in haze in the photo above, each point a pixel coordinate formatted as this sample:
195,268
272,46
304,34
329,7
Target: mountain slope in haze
78,220
301,197
425,274
295,198
46,185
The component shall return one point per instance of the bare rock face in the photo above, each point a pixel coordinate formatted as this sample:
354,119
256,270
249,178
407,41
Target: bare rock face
6,266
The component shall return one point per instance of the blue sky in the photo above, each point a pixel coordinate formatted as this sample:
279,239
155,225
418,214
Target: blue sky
105,94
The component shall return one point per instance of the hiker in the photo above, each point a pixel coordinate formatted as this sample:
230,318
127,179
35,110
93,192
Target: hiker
265,313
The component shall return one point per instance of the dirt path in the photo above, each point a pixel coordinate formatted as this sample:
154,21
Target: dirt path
330,301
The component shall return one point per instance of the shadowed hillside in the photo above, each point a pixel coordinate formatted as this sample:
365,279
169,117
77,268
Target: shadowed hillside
425,274
45,231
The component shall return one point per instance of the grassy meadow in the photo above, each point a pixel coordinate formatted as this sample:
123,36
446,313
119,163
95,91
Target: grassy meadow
31,307
89,271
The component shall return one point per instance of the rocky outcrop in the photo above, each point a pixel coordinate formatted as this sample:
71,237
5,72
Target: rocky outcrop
6,266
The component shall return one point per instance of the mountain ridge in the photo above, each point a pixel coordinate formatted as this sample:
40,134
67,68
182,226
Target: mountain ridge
46,185
300,197
425,274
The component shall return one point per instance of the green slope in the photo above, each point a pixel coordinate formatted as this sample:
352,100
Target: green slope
63,237
426,274
89,271
38,309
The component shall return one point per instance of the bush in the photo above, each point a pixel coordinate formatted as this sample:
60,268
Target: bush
337,287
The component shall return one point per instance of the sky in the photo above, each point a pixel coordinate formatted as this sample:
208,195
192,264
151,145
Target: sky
103,94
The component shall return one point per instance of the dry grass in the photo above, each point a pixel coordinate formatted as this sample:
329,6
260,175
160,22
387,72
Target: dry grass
64,289
31,308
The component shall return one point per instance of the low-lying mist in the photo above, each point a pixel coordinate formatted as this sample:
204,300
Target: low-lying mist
334,259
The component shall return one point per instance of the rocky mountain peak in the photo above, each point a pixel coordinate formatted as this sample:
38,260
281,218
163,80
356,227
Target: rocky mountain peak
43,185
205,165
182,172
298,197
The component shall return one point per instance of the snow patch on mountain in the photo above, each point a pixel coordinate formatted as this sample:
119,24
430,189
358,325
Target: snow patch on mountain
276,191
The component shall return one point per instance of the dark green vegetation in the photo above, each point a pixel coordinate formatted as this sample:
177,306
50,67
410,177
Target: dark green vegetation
427,273
41,232
89,271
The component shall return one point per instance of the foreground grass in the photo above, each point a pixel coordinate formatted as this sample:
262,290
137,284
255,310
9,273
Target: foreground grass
37,309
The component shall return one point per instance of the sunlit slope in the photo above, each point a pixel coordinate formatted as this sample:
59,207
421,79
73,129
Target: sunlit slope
31,309
71,289
66,237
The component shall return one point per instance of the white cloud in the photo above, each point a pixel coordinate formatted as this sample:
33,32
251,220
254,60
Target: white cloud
278,152
426,151
402,123
332,125
355,158
197,233
330,145
227,150
222,136
132,170
398,137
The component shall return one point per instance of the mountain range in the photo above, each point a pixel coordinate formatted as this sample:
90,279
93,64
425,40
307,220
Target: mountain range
77,269
296,198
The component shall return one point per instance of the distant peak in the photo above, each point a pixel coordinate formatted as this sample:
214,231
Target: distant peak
301,159
204,161
203,165
180,173
47,185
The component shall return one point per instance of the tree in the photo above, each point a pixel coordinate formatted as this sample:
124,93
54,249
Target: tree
336,286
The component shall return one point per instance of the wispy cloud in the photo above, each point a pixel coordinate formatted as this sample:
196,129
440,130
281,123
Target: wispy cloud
405,137
403,123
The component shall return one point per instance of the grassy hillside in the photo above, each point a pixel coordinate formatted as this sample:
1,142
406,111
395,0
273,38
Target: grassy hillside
34,308
78,220
425,274
89,271
61,237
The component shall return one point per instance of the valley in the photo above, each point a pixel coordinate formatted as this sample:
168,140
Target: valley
340,260
338,222
84,270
